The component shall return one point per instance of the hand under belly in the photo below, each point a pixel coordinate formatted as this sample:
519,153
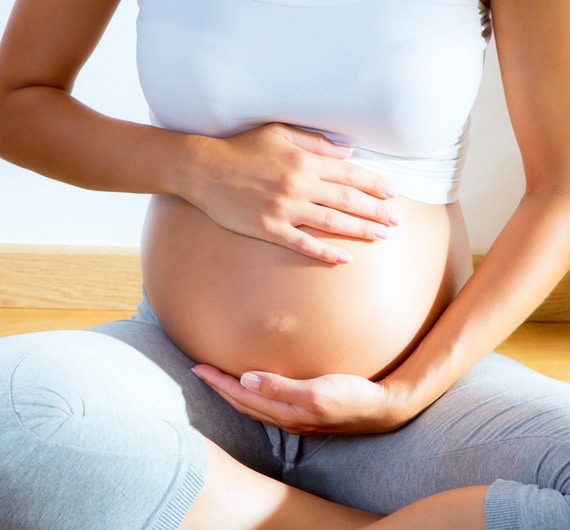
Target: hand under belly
243,304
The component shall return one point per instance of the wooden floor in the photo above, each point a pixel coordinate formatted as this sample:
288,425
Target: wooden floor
19,320
542,346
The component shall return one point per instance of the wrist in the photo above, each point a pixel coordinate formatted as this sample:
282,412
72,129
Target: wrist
190,166
399,402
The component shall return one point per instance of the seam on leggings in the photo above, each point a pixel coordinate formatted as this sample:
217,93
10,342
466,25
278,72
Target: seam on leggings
561,443
502,413
33,352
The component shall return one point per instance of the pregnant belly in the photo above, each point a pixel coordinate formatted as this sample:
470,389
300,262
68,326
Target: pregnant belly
244,304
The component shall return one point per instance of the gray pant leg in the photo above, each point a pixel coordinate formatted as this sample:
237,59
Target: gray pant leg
501,421
92,436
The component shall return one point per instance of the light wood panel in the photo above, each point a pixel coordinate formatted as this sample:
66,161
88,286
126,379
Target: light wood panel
69,277
543,346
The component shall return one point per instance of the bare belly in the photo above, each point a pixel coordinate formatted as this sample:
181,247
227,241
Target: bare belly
243,304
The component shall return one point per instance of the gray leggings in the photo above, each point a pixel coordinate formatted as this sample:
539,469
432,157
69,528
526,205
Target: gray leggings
101,430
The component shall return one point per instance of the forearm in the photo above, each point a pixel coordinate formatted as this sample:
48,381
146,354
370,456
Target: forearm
526,262
46,130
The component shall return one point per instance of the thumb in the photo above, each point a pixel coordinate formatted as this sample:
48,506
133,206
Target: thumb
275,387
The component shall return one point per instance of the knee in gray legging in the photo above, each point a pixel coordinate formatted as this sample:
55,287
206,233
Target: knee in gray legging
511,505
537,495
540,497
92,435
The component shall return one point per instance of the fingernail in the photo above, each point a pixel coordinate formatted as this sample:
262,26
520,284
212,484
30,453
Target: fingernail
381,232
343,257
347,150
196,373
250,382
390,191
394,218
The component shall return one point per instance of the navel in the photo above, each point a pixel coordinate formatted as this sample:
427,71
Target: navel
281,322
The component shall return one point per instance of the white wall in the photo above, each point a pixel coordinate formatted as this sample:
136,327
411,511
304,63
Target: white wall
494,178
35,210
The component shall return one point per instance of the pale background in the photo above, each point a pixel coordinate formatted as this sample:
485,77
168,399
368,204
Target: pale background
35,210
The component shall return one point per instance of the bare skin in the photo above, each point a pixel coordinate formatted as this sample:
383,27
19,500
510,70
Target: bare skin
45,129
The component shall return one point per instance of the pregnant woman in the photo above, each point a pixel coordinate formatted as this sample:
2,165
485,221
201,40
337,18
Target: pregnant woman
312,345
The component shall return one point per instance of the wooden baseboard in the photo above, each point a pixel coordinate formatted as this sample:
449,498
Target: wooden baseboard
67,278
46,277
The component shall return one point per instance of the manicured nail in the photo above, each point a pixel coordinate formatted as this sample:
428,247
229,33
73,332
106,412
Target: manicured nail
343,257
196,373
390,191
381,232
394,218
250,382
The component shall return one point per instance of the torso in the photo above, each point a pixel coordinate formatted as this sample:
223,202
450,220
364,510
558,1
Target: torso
397,82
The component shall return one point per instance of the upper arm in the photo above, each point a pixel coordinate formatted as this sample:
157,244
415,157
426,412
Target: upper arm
533,44
47,42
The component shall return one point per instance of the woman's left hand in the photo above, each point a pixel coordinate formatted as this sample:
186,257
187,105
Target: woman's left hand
323,405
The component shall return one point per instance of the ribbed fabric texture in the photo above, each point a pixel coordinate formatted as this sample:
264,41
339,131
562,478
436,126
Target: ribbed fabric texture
190,482
516,506
501,506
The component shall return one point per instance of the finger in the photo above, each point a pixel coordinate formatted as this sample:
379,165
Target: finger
356,203
355,176
336,222
279,388
314,142
294,239
245,401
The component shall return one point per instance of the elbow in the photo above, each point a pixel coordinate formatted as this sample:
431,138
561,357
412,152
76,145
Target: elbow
550,197
554,199
548,205
548,176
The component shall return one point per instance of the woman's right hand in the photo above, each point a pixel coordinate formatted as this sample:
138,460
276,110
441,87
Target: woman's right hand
271,181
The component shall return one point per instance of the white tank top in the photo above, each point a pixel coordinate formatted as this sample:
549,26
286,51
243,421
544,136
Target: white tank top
395,79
